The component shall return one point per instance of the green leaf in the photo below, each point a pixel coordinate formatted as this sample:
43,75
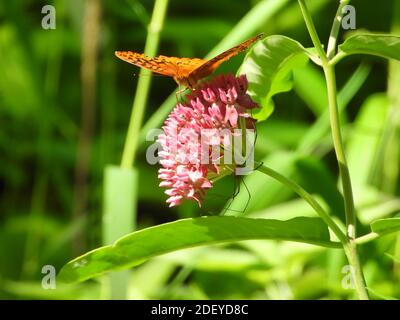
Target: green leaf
268,67
139,246
309,84
363,144
322,183
395,259
380,296
256,198
382,45
120,196
255,19
385,226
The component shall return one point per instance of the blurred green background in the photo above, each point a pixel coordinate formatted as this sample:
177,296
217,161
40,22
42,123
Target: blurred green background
65,103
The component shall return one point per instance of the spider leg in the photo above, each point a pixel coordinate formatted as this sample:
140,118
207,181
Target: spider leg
259,165
249,195
236,191
236,186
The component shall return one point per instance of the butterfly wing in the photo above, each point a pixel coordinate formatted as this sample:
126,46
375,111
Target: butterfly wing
185,71
167,66
211,65
159,64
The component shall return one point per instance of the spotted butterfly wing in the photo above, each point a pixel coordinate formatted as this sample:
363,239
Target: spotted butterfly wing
211,65
185,71
167,66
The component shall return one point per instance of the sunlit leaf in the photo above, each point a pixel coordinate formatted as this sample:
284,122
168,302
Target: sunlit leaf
385,226
268,67
395,259
382,45
363,144
139,246
380,295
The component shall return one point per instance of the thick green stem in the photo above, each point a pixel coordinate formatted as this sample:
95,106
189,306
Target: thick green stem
358,277
307,197
335,125
350,246
143,87
339,150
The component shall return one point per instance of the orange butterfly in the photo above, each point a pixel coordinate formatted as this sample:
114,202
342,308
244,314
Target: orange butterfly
185,71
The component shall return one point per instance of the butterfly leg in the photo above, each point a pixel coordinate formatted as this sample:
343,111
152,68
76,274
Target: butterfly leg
177,93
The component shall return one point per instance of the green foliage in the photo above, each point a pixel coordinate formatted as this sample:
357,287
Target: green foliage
369,123
41,108
268,67
384,226
382,45
139,246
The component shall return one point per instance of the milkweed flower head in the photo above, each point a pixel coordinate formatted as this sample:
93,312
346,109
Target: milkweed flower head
197,134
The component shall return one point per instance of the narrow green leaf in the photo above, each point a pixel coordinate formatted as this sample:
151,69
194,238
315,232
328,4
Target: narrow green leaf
382,45
363,144
309,84
120,195
320,128
376,205
380,296
268,67
385,226
119,215
322,183
395,259
139,246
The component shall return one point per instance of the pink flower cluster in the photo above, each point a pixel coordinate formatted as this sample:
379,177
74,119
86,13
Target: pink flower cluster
187,165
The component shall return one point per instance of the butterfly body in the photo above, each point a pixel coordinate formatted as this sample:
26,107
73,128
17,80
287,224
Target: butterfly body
185,71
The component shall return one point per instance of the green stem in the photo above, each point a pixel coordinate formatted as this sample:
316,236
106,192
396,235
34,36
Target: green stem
143,87
350,246
307,197
352,256
120,184
339,150
312,31
334,120
367,238
335,59
335,29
